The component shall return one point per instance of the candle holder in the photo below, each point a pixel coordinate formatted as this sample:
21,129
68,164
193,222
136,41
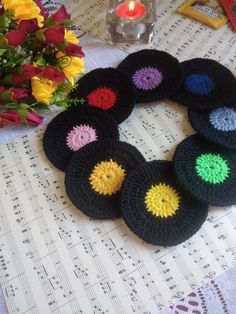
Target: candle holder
131,21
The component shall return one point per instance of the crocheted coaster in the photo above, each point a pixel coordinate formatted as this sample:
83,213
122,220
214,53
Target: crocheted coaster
155,74
95,175
107,89
207,84
157,209
217,125
206,170
69,131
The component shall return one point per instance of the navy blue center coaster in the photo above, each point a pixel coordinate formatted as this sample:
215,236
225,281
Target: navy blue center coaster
207,84
206,170
72,129
107,89
95,175
155,74
157,209
217,125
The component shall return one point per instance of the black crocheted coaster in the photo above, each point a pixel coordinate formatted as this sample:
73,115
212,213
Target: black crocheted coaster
217,125
207,84
95,175
155,74
157,209
69,131
107,89
206,170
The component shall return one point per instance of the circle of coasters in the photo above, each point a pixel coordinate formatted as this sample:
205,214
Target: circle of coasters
207,84
157,209
217,125
155,74
72,129
107,89
206,170
95,175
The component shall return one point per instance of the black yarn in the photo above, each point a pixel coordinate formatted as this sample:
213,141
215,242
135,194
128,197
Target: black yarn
168,231
54,141
79,170
200,121
112,79
184,161
160,60
223,92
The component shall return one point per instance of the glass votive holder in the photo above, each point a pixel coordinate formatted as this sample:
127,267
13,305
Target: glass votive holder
131,21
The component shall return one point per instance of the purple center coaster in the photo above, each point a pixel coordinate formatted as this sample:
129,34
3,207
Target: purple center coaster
79,136
147,78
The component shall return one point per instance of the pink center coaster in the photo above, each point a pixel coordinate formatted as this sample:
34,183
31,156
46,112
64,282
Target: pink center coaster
102,97
80,136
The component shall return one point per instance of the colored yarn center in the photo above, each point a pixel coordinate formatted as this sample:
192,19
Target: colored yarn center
223,119
147,78
200,84
107,177
162,200
102,97
79,136
212,168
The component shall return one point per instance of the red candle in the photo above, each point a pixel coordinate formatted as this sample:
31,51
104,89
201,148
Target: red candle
131,10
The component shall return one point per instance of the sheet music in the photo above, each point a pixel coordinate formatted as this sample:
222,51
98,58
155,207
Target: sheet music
56,260
174,33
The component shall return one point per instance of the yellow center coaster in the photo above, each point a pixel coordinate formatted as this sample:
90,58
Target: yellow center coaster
162,200
107,177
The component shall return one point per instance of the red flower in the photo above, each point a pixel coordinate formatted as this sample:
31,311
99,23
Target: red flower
2,89
34,119
29,26
53,74
10,117
18,93
15,79
16,38
54,35
61,15
44,12
74,50
28,71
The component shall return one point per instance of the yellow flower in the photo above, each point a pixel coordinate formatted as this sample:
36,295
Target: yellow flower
71,66
71,37
43,89
24,10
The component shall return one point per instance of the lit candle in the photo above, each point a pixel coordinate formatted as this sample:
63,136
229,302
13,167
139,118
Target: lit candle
131,10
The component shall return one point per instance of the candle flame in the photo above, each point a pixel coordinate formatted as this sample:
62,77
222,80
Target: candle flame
131,6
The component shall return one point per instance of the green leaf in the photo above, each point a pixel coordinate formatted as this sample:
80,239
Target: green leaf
23,110
4,23
3,43
67,22
41,62
42,106
2,51
11,105
50,22
39,34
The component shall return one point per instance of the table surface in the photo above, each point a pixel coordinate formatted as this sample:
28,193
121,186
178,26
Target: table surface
219,293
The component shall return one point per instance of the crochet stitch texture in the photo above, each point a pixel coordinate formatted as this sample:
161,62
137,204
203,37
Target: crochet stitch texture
107,177
223,119
212,168
162,200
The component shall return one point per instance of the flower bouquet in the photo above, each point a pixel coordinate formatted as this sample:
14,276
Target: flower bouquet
40,60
